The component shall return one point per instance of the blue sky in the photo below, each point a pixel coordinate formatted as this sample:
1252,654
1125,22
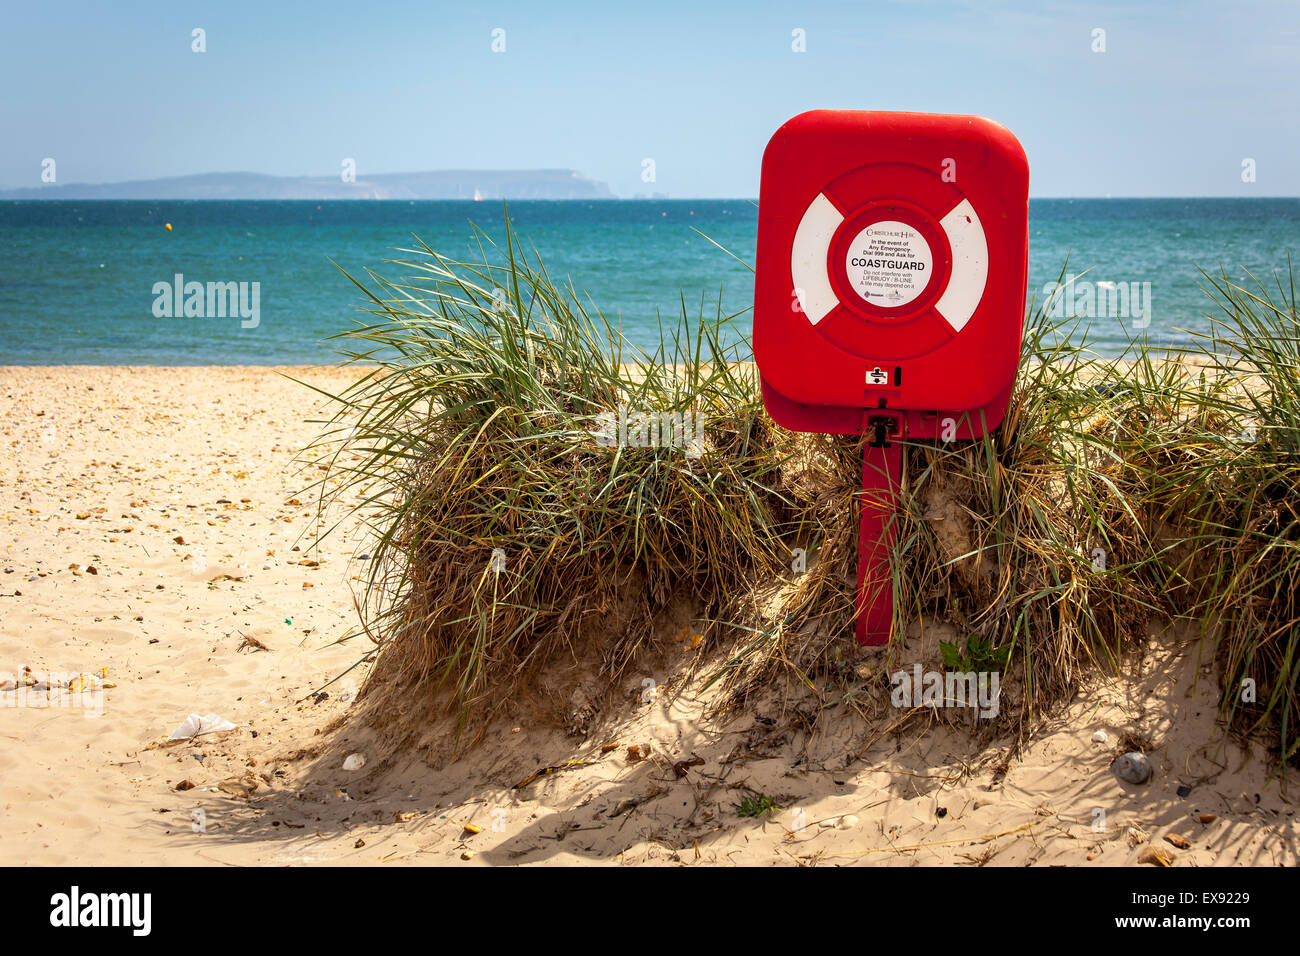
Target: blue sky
112,91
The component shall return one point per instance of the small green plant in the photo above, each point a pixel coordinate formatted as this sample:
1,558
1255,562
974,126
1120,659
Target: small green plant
980,655
756,806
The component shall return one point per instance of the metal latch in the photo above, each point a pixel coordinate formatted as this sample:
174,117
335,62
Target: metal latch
879,428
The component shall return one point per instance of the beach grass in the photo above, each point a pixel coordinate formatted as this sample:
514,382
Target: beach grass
508,527
1234,486
515,523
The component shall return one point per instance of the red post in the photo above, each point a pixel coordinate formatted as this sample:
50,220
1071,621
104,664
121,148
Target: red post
882,463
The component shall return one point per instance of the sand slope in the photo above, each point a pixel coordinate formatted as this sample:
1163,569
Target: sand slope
107,467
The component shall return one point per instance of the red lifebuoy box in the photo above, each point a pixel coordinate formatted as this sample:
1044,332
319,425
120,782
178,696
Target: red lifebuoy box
890,292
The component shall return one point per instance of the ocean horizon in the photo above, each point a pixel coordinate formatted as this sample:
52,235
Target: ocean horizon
82,281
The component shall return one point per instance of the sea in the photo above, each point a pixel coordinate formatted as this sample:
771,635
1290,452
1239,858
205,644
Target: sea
80,280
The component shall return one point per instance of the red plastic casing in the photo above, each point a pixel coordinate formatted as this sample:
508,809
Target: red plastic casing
848,179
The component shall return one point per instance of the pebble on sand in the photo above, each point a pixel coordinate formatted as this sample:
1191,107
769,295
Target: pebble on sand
354,762
1134,768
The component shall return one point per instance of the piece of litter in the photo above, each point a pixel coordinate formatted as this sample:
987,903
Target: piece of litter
354,762
194,726
1099,737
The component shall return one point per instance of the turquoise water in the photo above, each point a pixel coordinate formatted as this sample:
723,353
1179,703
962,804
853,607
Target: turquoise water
77,278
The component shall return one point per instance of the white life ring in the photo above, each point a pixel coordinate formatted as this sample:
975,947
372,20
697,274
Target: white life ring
960,297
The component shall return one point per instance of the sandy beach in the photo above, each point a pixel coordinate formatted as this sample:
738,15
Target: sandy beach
157,540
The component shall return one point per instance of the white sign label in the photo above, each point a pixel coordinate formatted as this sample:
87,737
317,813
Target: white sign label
889,264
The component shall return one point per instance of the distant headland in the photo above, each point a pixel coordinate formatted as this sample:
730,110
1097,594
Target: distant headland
490,184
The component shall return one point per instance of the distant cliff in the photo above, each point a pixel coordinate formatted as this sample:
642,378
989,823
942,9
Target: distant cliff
443,184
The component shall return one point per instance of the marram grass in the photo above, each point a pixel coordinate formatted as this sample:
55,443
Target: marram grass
512,533
478,435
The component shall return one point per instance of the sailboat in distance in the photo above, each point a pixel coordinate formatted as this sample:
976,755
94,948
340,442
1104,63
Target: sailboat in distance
478,196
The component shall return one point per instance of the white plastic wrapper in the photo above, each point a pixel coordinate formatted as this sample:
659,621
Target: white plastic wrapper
194,726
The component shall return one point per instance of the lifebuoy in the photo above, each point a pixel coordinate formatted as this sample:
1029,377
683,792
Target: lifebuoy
811,264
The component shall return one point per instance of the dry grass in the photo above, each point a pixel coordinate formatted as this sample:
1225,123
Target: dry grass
1114,492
